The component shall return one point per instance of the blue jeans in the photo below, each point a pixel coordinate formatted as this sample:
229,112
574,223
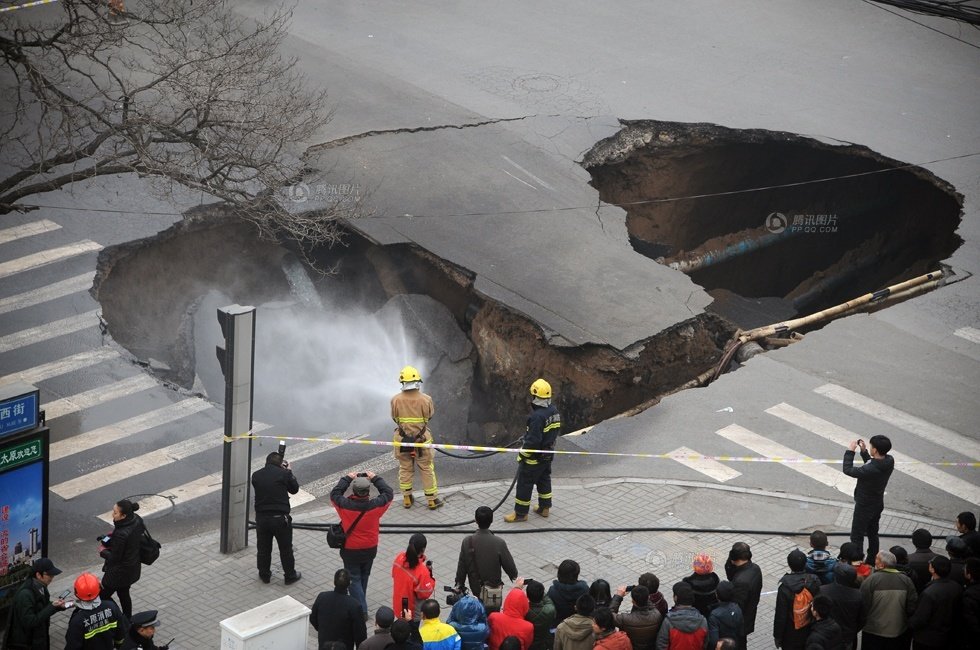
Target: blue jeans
359,568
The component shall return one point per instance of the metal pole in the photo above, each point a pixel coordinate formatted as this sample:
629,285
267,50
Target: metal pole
237,361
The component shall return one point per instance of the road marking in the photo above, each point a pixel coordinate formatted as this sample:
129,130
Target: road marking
90,398
212,483
971,334
951,440
61,366
50,292
49,331
712,468
104,435
49,256
519,180
27,230
379,464
530,175
144,463
925,473
771,449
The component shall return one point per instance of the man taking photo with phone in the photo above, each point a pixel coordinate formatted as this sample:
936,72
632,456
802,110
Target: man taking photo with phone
869,493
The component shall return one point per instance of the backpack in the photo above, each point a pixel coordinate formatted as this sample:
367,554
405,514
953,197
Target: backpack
802,616
149,548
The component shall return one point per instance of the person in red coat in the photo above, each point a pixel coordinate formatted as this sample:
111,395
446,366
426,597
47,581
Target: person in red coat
509,621
607,637
411,577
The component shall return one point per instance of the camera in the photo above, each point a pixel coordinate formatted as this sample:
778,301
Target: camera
629,588
282,449
363,474
454,594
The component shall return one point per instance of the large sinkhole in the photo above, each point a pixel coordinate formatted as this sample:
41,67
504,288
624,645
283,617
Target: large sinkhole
741,213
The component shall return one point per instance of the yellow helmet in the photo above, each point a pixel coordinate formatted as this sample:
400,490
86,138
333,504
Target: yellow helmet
541,389
409,373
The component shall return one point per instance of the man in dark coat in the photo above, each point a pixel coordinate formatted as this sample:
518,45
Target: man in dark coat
969,628
966,526
919,559
642,623
483,558
143,627
933,622
746,577
381,638
847,603
337,616
869,492
825,633
784,630
30,614
272,486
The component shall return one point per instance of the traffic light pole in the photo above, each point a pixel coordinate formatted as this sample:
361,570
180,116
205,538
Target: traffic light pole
236,359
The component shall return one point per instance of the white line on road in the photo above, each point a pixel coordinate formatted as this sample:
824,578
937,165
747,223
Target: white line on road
144,463
27,230
971,334
49,331
49,256
951,440
530,175
771,449
61,366
90,398
708,467
44,294
519,180
113,432
925,473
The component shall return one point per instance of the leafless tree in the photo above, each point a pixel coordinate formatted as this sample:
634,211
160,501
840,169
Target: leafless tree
186,92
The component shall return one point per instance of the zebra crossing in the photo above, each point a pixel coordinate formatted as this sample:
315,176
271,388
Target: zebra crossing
75,480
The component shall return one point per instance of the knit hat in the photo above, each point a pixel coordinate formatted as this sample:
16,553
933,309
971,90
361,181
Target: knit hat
702,564
361,486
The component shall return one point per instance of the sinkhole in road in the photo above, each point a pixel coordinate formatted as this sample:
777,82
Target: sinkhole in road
772,254
329,346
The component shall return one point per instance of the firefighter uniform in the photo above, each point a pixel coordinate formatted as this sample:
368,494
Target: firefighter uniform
411,409
543,429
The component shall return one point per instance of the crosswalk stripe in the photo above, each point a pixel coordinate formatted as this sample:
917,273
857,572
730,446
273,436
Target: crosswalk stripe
771,449
838,434
971,334
61,366
104,435
712,468
90,398
27,230
30,262
44,294
212,483
951,440
379,464
144,463
48,331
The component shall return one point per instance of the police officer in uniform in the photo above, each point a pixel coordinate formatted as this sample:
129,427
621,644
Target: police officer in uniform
543,429
273,484
140,637
411,409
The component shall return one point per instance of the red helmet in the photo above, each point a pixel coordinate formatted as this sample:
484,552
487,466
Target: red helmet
87,587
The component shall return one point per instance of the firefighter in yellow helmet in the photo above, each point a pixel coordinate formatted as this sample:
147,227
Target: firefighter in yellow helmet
543,429
411,409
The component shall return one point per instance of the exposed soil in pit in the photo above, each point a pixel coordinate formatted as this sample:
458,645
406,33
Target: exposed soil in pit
770,255
151,291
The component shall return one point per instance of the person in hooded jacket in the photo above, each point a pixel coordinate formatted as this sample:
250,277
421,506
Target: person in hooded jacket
726,618
746,577
819,561
642,623
411,577
847,605
575,632
122,566
607,637
784,631
510,621
684,628
469,618
541,614
869,491
566,590
704,581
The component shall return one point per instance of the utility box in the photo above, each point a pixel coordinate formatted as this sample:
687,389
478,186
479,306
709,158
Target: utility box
281,624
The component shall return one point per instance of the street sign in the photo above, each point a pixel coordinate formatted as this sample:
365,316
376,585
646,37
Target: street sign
19,409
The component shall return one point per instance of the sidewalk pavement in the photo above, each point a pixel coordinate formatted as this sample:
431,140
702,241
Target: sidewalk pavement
194,587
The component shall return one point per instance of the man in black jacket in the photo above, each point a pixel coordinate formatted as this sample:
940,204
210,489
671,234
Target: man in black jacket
919,559
969,627
272,486
847,605
746,577
825,633
483,557
932,623
784,630
30,615
869,493
337,616
966,525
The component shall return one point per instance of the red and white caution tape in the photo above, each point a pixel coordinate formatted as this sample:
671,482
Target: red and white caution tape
26,5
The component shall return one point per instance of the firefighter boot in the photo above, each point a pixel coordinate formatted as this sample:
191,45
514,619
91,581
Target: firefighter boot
544,512
514,517
435,502
408,500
